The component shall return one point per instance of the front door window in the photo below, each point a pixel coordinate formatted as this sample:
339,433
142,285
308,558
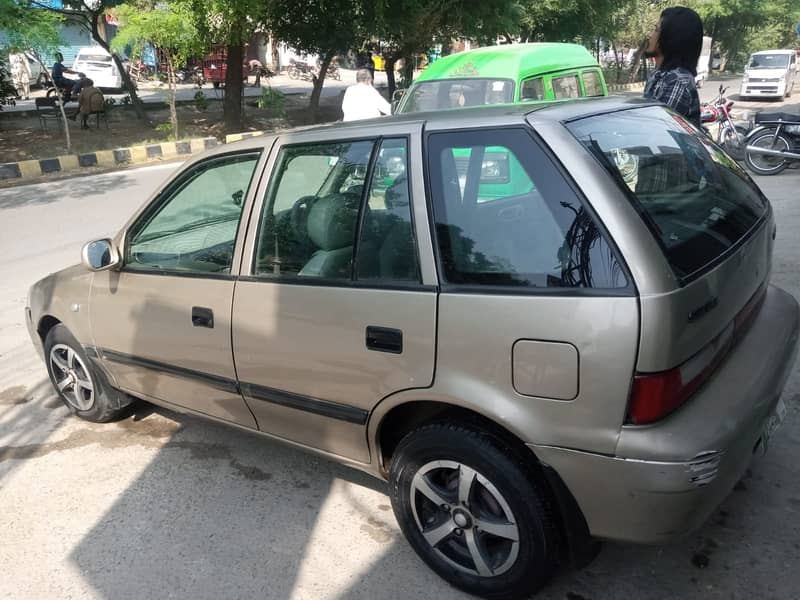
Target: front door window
194,228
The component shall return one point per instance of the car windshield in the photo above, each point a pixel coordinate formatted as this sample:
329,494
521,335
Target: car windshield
441,94
768,61
695,199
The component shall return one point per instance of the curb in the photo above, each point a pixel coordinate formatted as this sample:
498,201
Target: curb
238,137
29,169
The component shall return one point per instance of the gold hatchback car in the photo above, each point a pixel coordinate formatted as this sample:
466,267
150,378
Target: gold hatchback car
542,325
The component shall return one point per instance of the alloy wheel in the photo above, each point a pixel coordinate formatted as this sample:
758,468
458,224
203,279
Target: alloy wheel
464,518
71,377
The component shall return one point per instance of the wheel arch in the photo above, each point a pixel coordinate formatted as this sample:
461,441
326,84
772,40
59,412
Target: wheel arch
394,422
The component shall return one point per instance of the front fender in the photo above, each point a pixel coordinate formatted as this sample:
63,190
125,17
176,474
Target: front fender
64,296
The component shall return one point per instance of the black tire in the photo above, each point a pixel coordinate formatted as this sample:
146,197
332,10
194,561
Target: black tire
105,404
508,573
216,85
762,165
51,92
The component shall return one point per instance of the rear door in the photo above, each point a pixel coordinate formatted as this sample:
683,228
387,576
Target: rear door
338,309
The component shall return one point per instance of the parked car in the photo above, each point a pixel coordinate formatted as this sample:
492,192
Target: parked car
770,73
597,354
500,74
98,65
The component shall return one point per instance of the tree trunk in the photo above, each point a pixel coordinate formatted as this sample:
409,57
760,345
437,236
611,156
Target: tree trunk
232,104
388,67
408,69
137,103
173,112
59,103
637,60
319,81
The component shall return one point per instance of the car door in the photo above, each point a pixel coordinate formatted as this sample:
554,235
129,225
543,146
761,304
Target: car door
339,308
161,323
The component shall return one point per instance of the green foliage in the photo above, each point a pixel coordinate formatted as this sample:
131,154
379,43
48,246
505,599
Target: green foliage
165,128
7,90
272,100
200,100
168,26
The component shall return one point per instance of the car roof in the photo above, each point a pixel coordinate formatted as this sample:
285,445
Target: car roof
508,61
773,52
497,115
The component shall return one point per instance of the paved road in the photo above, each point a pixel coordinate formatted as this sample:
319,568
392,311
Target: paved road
167,506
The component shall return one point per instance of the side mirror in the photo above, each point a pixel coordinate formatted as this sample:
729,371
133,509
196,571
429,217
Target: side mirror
100,255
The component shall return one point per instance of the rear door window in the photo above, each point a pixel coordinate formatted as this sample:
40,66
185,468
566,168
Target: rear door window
531,232
592,84
566,86
696,200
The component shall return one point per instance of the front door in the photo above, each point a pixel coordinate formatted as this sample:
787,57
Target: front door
162,322
335,315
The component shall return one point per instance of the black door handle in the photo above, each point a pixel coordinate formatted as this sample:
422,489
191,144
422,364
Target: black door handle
383,339
202,317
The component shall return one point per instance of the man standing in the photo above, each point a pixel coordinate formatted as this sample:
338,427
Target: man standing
675,44
362,101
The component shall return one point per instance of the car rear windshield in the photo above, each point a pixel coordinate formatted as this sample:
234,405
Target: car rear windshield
696,200
442,94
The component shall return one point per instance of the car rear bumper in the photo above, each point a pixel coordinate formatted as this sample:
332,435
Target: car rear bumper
667,478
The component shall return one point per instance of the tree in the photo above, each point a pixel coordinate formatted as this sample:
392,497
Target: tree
231,23
411,27
88,14
36,32
323,27
167,26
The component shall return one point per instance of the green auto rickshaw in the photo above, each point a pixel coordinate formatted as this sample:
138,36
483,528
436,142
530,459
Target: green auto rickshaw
504,74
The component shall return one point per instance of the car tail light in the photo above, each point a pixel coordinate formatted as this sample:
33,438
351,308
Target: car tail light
656,395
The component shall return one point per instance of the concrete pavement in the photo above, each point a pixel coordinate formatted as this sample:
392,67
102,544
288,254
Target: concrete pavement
167,506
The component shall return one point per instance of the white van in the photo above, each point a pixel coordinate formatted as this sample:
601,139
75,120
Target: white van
96,63
770,73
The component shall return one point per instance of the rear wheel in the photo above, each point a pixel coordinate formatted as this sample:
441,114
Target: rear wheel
83,388
475,510
764,164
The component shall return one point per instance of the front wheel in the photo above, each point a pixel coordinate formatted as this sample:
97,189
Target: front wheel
292,73
765,164
82,387
733,141
475,510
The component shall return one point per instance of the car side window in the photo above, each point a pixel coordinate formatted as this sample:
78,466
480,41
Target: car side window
534,233
194,227
532,89
311,213
566,86
386,248
592,84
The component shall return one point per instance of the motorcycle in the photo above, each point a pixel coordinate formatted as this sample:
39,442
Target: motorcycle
299,69
333,72
64,92
730,136
773,144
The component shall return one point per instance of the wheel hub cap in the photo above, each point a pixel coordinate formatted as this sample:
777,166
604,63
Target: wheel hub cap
462,519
